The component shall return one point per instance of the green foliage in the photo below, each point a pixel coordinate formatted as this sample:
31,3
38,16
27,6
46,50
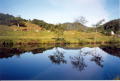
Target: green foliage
18,21
43,24
113,25
39,22
6,19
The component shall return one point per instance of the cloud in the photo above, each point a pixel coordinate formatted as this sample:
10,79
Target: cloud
68,10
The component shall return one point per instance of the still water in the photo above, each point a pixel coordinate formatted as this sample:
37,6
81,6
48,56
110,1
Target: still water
59,63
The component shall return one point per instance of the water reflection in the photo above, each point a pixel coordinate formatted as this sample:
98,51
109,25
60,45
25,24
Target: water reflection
38,50
96,56
58,57
9,52
112,50
98,60
78,62
44,61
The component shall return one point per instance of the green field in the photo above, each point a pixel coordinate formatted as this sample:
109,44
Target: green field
45,36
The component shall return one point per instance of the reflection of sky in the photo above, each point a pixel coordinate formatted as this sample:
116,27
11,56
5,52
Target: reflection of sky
77,51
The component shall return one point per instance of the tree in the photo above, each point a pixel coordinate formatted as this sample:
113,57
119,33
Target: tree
6,19
98,24
81,20
18,21
40,23
113,25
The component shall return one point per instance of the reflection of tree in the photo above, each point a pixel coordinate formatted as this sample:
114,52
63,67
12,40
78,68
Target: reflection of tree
78,62
95,57
98,60
58,57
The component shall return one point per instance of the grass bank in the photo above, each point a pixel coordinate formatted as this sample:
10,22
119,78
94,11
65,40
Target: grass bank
18,35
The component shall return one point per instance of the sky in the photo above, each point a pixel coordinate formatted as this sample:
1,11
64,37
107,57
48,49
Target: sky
61,11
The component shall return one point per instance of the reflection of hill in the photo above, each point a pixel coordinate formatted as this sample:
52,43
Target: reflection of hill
9,52
38,50
112,50
6,52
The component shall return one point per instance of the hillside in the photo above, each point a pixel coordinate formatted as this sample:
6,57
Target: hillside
10,20
74,26
20,24
17,29
29,27
113,25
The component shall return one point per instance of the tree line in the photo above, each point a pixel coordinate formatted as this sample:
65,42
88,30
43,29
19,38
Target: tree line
6,19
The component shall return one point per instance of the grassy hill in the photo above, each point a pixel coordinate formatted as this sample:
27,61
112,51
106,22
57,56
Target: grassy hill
74,26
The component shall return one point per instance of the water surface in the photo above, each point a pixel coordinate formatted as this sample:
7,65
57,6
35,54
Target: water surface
59,63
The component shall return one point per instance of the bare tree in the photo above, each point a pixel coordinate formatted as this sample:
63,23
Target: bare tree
99,23
81,20
96,26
